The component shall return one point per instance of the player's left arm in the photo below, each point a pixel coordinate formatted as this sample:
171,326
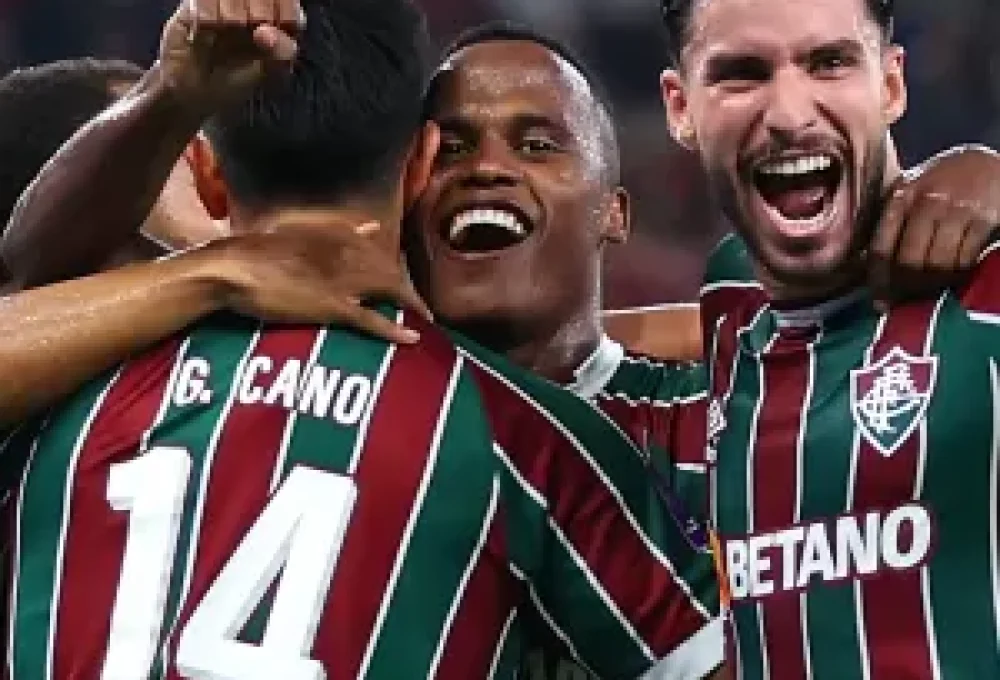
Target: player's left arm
671,332
608,567
936,223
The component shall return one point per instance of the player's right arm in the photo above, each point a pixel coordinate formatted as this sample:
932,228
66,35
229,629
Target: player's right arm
604,564
54,338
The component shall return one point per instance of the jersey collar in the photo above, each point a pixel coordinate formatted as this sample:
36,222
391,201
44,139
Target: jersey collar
596,372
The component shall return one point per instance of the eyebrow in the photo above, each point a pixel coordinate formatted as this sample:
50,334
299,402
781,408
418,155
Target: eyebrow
745,58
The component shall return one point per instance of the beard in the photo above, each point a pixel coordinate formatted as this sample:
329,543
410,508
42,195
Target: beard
845,270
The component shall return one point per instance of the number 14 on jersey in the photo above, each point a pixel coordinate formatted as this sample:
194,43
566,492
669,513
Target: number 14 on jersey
301,529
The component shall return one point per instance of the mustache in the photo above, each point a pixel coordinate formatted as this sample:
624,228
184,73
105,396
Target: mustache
778,147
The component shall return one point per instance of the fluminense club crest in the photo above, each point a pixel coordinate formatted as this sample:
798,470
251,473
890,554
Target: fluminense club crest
889,399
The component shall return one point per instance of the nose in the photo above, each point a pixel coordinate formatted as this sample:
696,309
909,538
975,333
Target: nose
492,165
791,108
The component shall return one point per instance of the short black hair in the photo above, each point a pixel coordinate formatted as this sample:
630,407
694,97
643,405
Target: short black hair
677,19
340,124
42,106
504,31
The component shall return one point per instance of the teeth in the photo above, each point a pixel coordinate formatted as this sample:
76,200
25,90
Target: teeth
497,218
798,166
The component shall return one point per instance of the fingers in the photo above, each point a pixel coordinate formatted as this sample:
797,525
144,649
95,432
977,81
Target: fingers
289,14
945,252
925,217
278,46
410,298
980,235
882,251
373,323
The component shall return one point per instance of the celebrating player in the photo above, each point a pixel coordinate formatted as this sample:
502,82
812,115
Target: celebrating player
854,452
301,502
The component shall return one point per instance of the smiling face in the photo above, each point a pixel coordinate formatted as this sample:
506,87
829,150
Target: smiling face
509,231
789,102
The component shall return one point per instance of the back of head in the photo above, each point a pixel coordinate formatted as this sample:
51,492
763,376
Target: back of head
340,125
42,106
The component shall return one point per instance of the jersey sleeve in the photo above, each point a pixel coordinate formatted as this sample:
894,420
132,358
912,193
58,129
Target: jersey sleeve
592,540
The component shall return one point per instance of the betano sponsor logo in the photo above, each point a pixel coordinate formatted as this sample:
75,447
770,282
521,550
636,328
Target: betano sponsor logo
847,547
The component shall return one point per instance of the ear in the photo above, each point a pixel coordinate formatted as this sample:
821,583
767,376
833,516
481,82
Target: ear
208,177
617,221
675,102
894,84
420,164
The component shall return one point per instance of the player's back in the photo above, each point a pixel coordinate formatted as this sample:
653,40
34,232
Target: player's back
242,503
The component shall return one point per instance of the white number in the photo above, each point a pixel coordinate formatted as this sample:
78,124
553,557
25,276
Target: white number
301,529
151,489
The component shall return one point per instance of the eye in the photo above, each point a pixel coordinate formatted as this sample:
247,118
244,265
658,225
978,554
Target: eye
537,144
452,145
830,62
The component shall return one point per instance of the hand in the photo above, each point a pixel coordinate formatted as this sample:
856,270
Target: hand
311,274
216,51
935,224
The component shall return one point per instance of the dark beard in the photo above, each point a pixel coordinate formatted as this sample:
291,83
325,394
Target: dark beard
869,212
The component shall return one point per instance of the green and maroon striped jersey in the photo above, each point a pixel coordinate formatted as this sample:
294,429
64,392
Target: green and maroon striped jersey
854,479
247,502
661,405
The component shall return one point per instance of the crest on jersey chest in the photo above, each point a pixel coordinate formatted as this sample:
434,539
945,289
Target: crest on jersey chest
890,398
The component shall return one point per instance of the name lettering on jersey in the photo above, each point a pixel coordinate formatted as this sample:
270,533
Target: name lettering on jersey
848,547
192,383
317,391
890,398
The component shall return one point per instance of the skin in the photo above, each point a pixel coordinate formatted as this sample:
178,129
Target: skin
761,80
520,126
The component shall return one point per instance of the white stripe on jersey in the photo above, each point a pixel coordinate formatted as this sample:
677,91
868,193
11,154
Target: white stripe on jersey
293,417
609,487
411,523
587,572
918,489
16,557
852,479
544,613
501,643
800,447
696,657
721,285
199,510
64,522
484,532
994,497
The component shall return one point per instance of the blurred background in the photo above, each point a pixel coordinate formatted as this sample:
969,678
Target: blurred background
954,72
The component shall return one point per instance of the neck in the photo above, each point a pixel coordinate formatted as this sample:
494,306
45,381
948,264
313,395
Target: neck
380,223
559,356
553,353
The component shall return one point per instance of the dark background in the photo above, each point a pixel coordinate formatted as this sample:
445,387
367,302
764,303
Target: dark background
954,74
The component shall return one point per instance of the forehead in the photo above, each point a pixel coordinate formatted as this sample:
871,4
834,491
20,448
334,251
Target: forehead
770,25
503,79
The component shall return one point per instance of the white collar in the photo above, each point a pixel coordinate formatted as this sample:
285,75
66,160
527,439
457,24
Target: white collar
596,372
817,314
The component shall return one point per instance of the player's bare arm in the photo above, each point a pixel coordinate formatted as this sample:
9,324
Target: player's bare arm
56,337
206,58
671,331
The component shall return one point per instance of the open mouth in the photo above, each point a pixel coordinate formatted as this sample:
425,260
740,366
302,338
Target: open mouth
800,192
487,230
